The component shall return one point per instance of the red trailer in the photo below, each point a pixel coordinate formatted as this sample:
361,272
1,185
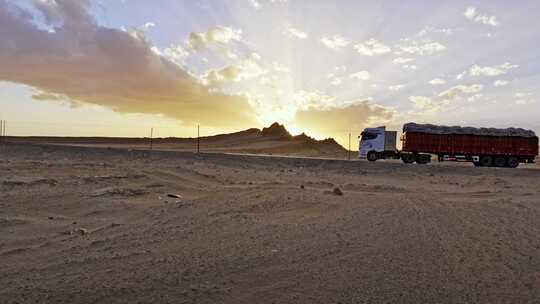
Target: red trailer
482,150
482,146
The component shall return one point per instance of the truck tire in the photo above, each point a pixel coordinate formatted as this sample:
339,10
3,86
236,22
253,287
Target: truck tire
408,158
513,162
500,161
372,156
423,159
486,161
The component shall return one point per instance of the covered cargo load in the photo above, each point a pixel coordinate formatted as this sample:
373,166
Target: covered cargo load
482,146
435,129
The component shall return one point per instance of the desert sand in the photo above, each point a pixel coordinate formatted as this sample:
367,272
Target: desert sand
98,225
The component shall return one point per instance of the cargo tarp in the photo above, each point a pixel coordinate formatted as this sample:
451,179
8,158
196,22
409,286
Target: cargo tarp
434,129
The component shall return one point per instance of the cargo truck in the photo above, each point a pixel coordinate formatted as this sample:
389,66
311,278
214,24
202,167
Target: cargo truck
485,147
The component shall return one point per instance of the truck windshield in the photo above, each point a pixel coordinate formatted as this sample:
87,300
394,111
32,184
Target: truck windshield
368,136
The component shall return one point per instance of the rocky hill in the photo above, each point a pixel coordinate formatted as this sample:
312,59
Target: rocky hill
273,140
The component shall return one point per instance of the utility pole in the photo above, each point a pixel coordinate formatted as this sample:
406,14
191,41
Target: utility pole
349,151
198,139
1,131
151,137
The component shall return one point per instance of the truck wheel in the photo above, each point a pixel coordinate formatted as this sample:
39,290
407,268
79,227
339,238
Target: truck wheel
513,162
486,161
372,156
423,159
408,158
477,164
499,161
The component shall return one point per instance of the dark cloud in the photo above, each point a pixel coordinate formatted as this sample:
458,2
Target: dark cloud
89,63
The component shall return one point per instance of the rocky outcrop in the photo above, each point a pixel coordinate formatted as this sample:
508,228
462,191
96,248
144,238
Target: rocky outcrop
277,131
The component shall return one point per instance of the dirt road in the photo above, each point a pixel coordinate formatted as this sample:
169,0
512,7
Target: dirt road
83,225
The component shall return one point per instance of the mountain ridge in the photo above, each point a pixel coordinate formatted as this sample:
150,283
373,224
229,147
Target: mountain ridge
274,139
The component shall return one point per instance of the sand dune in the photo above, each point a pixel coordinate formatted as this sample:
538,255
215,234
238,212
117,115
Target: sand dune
87,225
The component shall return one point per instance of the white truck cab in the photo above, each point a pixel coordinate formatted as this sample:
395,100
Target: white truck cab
377,143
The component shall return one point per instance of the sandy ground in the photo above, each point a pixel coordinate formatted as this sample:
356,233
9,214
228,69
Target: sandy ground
83,225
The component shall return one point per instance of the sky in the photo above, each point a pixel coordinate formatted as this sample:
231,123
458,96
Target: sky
326,68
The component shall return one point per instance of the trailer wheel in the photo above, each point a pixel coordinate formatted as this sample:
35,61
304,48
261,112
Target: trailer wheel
499,161
486,161
408,158
372,156
423,159
513,162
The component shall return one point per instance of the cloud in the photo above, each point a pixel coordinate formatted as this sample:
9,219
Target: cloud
296,33
472,15
174,53
461,75
474,98
496,70
280,68
340,69
428,30
356,116
248,68
149,25
336,81
372,47
521,94
500,83
58,14
437,81
421,48
217,78
335,42
219,35
524,98
47,96
396,87
362,75
409,66
401,60
108,67
305,99
460,90
257,3
422,103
